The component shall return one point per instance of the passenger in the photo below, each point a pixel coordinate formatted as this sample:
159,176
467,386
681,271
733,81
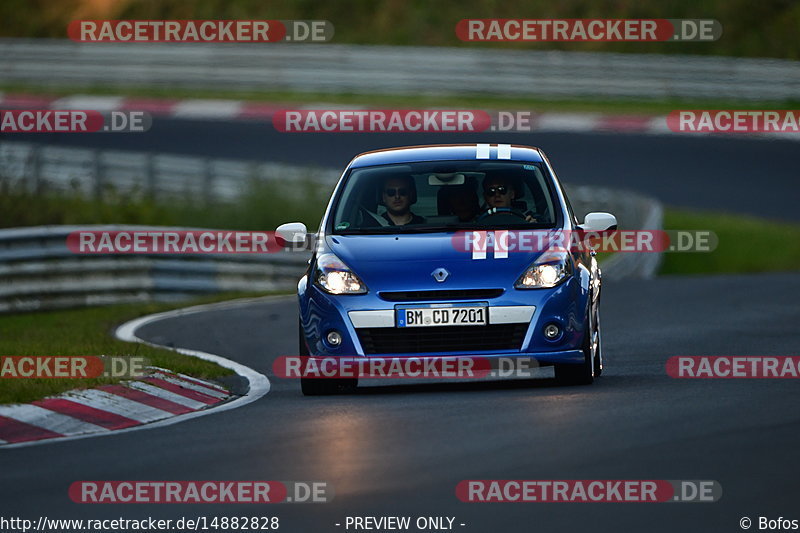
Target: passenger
398,195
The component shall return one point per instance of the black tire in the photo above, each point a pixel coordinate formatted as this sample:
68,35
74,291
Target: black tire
321,386
582,373
598,354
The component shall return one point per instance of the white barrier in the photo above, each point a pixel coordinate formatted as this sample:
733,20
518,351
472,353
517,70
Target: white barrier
334,68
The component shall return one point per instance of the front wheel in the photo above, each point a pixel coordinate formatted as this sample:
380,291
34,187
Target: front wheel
598,347
320,386
582,373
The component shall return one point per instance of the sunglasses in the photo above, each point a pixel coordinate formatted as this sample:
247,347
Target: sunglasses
502,189
401,191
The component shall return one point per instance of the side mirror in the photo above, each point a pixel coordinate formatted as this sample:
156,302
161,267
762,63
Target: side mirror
293,232
599,221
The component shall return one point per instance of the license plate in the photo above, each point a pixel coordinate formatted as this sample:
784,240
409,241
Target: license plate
415,317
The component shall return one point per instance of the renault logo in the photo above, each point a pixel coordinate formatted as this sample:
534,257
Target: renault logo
440,274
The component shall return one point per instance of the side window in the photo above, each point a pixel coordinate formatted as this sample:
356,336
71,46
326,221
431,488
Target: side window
540,202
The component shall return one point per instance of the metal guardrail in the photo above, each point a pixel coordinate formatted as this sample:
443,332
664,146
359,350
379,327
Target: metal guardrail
633,211
38,271
332,68
96,172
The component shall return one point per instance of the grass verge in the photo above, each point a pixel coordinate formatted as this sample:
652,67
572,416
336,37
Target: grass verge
746,244
262,206
88,332
486,102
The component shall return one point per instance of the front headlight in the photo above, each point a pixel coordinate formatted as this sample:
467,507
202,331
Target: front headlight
334,277
550,269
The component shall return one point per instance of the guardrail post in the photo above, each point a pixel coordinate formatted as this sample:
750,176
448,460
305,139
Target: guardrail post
97,170
150,176
35,176
208,181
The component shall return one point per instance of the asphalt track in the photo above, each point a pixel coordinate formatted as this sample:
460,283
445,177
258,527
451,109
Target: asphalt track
401,449
734,174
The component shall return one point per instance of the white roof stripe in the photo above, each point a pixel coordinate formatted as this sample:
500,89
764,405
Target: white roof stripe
479,243
501,243
482,151
503,151
166,395
49,420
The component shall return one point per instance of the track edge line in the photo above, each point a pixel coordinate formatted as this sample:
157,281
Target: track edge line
259,384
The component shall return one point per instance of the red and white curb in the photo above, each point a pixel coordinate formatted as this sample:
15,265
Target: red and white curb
160,399
228,110
208,109
189,108
161,394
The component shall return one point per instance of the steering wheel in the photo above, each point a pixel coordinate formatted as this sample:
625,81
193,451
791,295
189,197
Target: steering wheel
494,211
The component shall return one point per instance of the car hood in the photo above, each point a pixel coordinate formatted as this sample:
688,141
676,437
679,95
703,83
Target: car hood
407,262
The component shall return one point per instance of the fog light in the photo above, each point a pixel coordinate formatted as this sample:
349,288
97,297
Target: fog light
334,338
551,331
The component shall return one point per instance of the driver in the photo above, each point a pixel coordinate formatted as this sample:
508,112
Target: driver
397,195
499,194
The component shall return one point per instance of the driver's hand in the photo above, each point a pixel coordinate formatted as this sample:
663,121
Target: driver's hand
529,218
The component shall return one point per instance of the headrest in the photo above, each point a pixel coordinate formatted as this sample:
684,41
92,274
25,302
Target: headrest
446,192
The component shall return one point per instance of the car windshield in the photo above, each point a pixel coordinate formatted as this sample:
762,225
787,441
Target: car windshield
444,196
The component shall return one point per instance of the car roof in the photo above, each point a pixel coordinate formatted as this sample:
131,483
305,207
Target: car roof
447,152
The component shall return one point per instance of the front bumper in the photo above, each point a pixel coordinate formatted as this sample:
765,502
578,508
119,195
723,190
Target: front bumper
367,325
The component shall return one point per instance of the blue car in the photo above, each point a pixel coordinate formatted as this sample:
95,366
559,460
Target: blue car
438,251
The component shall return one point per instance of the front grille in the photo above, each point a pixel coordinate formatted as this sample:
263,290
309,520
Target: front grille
450,294
442,339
